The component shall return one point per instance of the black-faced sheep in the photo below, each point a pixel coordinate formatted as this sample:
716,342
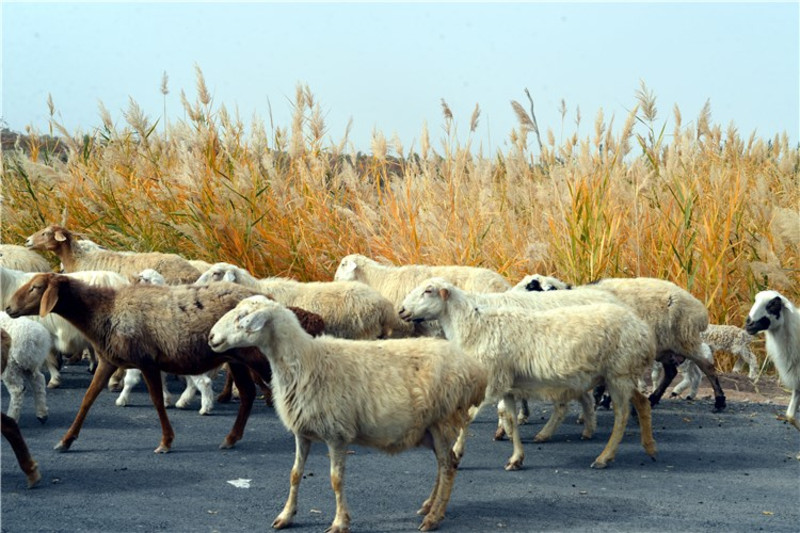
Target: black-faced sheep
62,242
779,319
387,394
9,426
562,352
149,327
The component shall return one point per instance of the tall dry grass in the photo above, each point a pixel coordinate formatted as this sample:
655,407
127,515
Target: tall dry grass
699,205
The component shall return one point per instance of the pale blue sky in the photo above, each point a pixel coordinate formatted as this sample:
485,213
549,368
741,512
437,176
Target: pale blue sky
388,65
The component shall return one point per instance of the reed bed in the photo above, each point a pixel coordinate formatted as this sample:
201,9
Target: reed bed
699,205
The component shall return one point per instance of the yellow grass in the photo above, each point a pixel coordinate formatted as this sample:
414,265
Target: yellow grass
701,206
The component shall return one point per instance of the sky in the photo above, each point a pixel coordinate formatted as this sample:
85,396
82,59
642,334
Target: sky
387,66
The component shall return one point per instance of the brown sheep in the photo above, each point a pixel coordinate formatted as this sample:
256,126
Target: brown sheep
152,328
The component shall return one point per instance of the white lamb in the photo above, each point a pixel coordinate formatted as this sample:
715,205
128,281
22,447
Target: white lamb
387,394
30,347
692,375
350,310
558,354
734,340
779,319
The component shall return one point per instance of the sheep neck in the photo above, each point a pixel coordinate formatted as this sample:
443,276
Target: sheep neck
84,307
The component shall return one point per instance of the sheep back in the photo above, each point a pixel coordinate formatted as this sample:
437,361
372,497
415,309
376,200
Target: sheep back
20,258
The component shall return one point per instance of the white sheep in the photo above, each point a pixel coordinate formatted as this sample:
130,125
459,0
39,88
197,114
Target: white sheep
544,301
30,347
387,394
62,242
677,319
558,354
20,258
350,310
779,319
734,340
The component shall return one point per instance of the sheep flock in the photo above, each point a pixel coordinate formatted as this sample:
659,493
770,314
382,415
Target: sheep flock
384,356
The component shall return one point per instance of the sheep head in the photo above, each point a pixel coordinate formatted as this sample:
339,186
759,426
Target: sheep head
219,272
347,270
243,325
540,283
38,295
148,276
767,312
427,301
49,238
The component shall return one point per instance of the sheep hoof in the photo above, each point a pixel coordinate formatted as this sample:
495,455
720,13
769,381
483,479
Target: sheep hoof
338,529
586,436
280,523
63,446
499,434
429,524
598,464
673,395
541,438
34,476
513,465
227,444
719,404
53,384
42,419
161,449
654,400
121,402
426,507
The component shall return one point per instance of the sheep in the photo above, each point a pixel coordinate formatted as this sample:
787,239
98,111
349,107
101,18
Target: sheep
152,328
691,374
387,394
10,429
557,354
202,382
779,319
677,319
66,338
351,310
32,343
20,258
200,265
544,302
538,282
61,241
735,340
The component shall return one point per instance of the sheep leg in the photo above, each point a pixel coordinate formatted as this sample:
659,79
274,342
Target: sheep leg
302,446
13,435
791,411
188,393
116,378
708,369
53,362
461,441
445,477
341,522
645,416
589,415
36,379
670,371
748,356
559,413
524,412
132,378
99,381
518,456
204,385
247,395
153,379
15,383
620,404
227,390
500,432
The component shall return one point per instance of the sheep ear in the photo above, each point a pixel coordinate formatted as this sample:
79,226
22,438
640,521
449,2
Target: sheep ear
444,294
60,237
229,276
49,299
253,322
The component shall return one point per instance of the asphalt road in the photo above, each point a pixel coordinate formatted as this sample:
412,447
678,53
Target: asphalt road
715,472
